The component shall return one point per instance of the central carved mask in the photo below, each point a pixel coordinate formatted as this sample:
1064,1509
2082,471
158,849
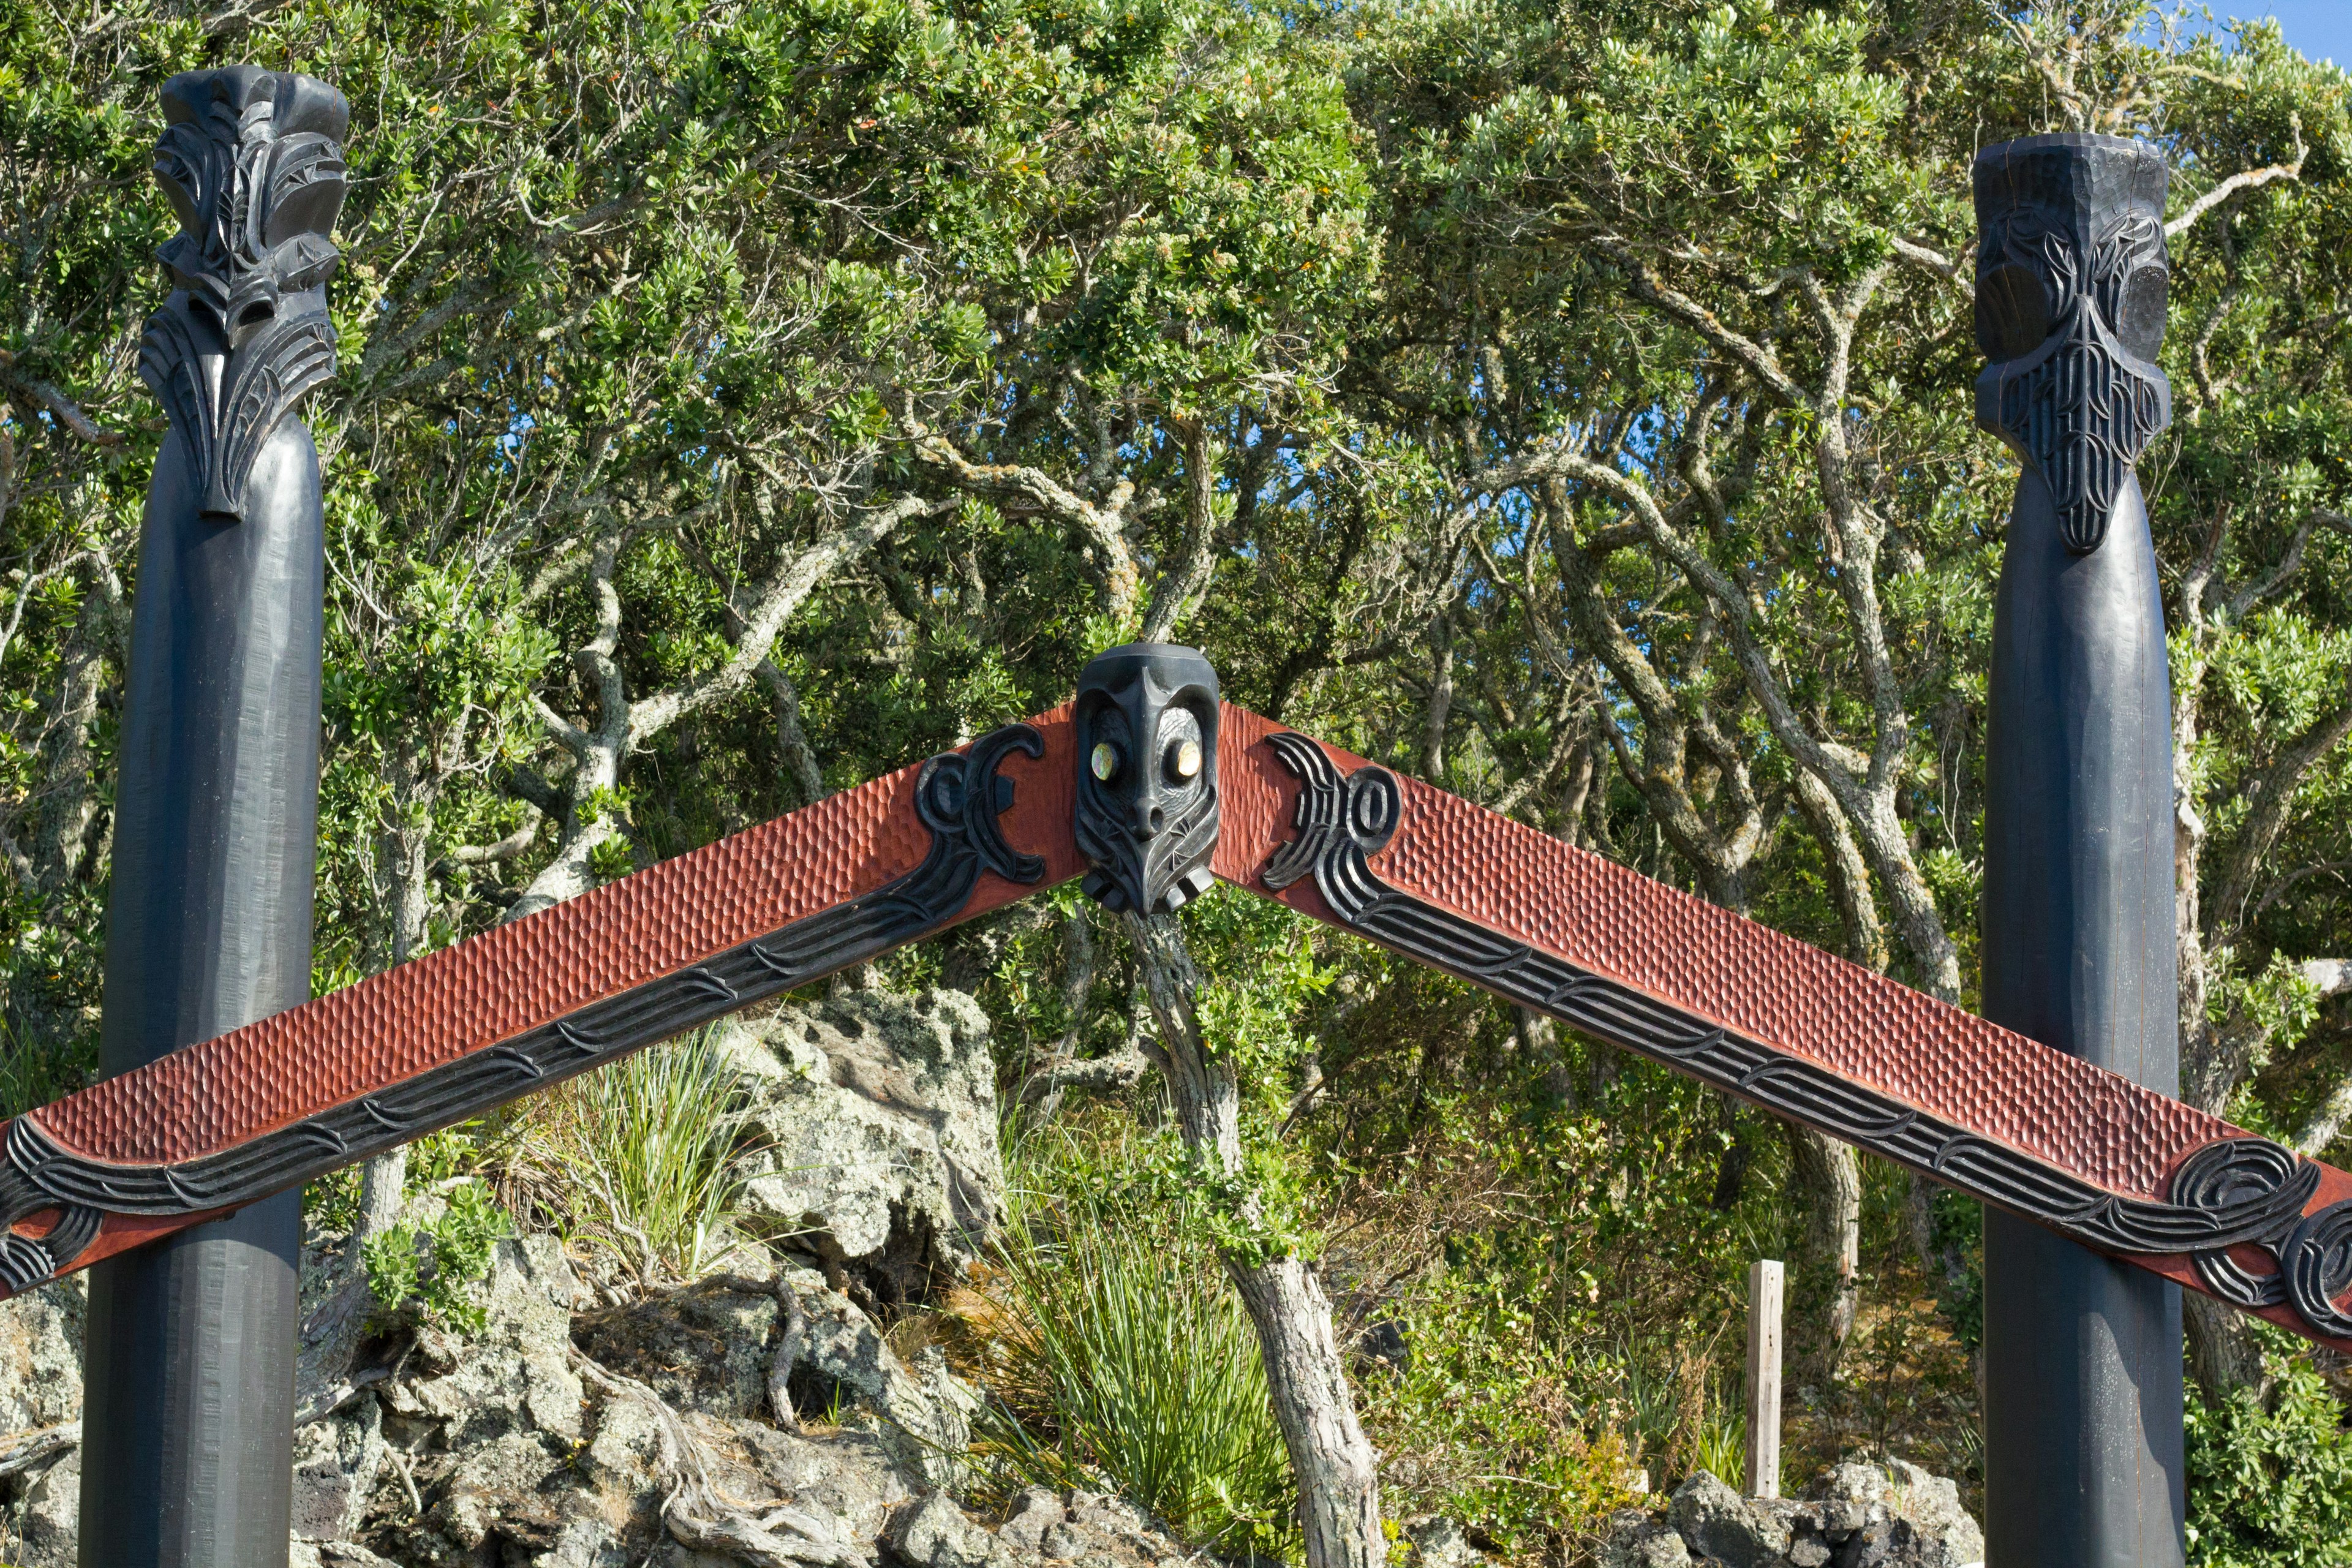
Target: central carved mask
1147,817
2072,281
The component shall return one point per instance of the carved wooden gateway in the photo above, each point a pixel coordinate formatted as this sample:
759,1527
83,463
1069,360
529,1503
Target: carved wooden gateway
1792,1029
1150,787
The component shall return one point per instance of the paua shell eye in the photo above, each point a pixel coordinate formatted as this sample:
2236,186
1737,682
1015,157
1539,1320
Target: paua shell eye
1179,747
2013,314
1103,762
2143,309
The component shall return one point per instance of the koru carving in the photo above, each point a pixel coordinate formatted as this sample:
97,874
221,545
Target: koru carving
1147,819
252,162
2072,279
958,798
2239,1192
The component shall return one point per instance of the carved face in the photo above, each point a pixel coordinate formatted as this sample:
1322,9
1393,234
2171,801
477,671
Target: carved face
2071,284
1147,817
252,162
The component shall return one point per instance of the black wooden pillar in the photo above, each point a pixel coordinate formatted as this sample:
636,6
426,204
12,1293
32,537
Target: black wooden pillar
190,1362
2083,1375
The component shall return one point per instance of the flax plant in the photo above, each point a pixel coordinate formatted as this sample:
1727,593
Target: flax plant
1128,1364
638,1159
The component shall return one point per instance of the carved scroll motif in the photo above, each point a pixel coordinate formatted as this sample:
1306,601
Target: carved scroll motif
252,162
2072,281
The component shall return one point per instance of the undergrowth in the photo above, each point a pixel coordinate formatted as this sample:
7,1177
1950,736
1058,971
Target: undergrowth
634,1159
1118,1358
2269,1472
432,1264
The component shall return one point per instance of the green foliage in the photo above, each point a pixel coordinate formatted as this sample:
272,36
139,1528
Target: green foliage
1510,1432
1122,1356
434,1263
636,1158
2270,1474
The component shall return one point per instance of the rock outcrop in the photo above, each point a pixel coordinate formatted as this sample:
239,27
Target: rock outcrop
875,1125
1856,1516
757,1417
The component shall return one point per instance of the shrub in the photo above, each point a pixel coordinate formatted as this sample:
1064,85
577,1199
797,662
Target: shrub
433,1263
1495,1424
1122,1356
637,1157
2270,1480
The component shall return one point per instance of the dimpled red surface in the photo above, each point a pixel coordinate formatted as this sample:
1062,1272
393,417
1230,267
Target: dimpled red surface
495,986
1719,967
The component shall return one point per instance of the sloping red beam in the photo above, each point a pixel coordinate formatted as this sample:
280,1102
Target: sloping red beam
1798,1031
1802,1033
516,1009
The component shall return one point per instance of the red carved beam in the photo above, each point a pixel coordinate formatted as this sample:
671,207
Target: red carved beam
446,1037
1800,1032
1797,1031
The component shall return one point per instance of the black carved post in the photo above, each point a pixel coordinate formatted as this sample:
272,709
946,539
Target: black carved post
2082,1386
190,1362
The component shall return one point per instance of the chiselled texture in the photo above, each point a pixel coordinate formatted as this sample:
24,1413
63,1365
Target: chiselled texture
252,162
2072,279
1716,966
1804,1035
497,985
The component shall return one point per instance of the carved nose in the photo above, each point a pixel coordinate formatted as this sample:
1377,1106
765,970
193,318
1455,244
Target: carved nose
1148,821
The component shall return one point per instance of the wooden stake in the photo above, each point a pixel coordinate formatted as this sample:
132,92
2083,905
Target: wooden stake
1764,1290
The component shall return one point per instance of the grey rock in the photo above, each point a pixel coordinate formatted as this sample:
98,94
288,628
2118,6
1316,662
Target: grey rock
1942,1533
922,1414
1438,1542
513,1384
702,1349
1637,1541
875,1123
848,1476
1854,1516
1715,1521
1035,1511
49,1521
933,1533
1065,1542
40,1356
336,1462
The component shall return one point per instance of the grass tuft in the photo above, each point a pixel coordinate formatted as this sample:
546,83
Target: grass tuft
637,1158
1123,1361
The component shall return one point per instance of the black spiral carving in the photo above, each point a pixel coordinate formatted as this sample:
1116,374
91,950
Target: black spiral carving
2316,1263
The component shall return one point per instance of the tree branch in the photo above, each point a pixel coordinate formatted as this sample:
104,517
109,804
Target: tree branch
2244,180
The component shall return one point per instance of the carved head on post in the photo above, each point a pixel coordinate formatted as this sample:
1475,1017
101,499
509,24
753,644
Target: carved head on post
1147,819
252,162
2072,277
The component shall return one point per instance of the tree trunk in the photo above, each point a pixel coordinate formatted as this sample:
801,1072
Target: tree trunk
1830,1178
1340,1488
403,848
2222,1352
1338,1481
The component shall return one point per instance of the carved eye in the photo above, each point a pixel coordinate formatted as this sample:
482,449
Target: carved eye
2013,314
1103,762
1180,746
2141,314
